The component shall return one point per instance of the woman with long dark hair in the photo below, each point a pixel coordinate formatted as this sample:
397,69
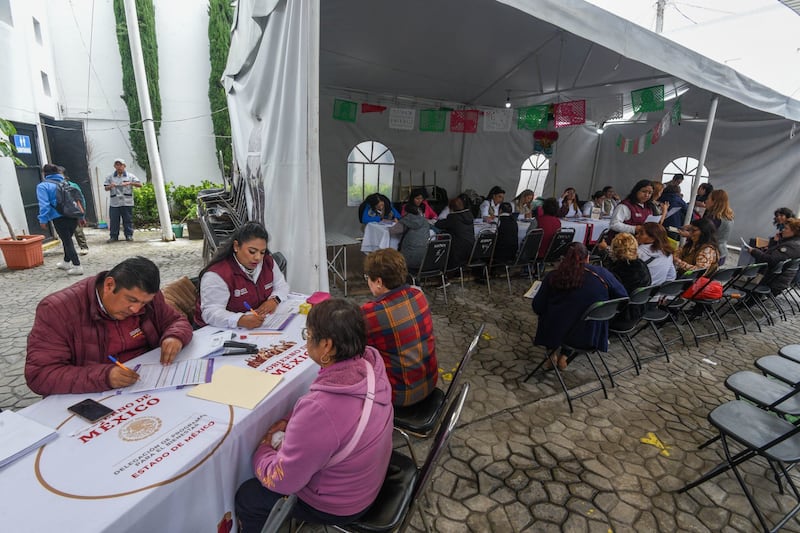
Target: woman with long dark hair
459,225
563,297
633,210
700,250
569,204
241,284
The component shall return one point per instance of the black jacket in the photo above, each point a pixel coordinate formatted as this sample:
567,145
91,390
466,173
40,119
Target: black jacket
459,225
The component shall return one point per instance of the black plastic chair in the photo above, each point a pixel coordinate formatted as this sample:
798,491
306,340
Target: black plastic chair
638,298
706,307
280,260
434,264
597,312
739,292
595,257
481,256
527,255
761,434
422,418
405,484
762,293
556,250
657,318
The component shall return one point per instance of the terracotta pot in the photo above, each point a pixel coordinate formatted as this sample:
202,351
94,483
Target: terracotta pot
194,228
25,252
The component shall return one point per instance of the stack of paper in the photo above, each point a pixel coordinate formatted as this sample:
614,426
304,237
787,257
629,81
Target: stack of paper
20,436
232,385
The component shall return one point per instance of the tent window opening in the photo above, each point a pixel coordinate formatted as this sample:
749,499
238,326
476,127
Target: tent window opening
533,174
370,168
688,167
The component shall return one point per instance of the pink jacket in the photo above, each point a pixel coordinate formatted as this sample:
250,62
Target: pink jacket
322,422
67,345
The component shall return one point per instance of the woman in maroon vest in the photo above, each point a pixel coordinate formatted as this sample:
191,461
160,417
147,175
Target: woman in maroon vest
242,284
633,211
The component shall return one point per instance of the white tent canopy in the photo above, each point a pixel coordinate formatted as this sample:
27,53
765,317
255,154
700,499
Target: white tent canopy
476,54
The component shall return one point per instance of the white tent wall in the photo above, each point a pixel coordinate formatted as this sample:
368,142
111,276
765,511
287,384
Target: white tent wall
755,162
272,80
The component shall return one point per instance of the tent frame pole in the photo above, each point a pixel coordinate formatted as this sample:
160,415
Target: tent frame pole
712,113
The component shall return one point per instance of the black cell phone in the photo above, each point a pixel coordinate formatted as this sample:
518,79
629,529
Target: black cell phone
90,410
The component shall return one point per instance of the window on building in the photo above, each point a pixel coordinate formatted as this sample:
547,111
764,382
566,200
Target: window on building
37,30
45,84
688,167
5,12
370,168
533,174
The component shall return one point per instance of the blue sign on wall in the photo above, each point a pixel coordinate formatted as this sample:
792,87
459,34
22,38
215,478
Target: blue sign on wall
23,144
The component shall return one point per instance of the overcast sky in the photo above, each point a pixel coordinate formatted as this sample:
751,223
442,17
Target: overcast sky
759,38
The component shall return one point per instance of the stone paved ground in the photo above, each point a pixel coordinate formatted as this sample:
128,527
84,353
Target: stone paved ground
519,461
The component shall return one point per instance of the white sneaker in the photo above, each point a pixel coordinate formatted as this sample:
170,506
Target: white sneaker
84,251
63,265
76,271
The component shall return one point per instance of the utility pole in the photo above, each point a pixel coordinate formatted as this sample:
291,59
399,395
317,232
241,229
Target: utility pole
660,15
132,20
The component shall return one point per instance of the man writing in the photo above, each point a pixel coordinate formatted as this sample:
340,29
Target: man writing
120,312
120,184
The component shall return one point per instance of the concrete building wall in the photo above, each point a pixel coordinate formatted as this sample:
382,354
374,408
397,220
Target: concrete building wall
25,63
90,75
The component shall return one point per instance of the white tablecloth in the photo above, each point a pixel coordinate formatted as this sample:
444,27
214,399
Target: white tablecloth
377,236
582,224
164,462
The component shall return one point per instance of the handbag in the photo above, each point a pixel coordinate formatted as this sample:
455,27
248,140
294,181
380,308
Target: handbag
703,289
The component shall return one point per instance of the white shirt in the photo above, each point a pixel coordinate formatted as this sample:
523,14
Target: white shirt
485,208
618,217
661,267
214,296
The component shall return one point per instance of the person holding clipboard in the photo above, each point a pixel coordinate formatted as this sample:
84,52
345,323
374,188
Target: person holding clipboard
241,284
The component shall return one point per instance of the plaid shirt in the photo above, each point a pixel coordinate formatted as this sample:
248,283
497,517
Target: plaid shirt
399,325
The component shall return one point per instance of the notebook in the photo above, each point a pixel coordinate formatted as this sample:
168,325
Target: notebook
19,436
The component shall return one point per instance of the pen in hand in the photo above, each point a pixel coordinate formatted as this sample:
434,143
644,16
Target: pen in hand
117,379
116,362
247,306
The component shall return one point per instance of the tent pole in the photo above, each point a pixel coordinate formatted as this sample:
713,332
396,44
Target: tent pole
594,167
460,178
712,112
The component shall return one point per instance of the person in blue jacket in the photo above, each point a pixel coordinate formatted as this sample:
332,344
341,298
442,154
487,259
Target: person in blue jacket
65,227
377,208
672,196
564,296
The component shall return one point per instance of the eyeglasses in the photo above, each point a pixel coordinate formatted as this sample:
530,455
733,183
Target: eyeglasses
305,334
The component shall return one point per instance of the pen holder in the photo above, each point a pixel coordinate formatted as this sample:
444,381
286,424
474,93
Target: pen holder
304,308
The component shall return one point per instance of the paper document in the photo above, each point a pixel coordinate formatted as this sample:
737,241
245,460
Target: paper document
673,210
158,376
232,385
283,314
530,293
20,436
653,218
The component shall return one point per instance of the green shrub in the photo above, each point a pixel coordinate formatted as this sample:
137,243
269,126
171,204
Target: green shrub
182,201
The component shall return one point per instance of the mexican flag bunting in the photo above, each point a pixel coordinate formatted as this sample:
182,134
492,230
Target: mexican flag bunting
570,113
345,110
464,121
402,119
648,99
432,120
372,108
645,141
532,118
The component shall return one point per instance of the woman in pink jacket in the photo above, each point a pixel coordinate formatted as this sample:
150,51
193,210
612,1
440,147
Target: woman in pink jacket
333,449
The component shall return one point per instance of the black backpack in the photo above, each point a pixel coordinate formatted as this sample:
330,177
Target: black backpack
69,200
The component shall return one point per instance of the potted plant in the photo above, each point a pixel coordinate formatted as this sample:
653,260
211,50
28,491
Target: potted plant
19,251
193,223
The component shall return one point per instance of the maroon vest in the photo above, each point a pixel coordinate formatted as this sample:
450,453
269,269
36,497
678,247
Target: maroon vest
240,286
639,214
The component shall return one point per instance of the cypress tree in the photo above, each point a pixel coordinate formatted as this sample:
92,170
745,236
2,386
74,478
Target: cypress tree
147,31
220,20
